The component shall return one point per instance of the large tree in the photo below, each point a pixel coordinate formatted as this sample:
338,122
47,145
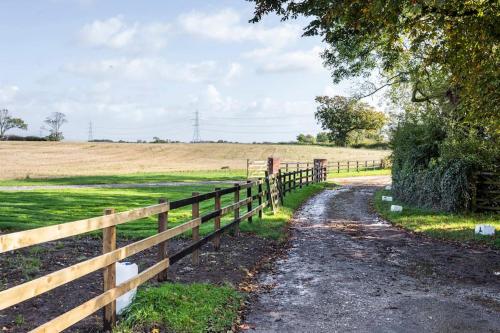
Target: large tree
7,122
55,122
444,51
342,116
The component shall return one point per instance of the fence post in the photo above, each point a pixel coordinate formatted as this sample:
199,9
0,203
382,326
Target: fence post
195,212
294,179
249,205
326,174
216,242
163,246
300,178
338,167
108,245
298,166
366,165
307,175
348,166
286,167
282,178
259,189
357,166
237,209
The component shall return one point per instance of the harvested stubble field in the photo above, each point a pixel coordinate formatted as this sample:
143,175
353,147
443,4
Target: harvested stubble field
59,159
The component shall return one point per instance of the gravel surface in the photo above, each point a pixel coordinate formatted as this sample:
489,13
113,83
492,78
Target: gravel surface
349,271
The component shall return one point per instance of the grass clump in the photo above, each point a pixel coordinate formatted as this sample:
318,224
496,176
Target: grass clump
182,308
441,225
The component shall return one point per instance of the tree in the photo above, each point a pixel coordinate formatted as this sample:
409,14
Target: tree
7,123
341,116
445,51
306,138
55,122
322,137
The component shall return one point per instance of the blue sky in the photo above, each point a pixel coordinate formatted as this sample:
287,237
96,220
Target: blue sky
139,69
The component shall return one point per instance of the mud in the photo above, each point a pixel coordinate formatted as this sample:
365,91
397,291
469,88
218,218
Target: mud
347,270
230,265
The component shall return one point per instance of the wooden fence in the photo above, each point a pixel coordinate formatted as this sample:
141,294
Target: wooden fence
485,194
338,166
269,192
256,169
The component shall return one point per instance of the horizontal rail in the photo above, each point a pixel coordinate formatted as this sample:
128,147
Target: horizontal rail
18,240
86,309
53,280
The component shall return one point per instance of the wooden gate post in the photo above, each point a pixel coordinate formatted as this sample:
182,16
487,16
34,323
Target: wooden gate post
108,245
216,242
259,189
357,166
237,209
195,213
249,205
163,246
307,175
300,178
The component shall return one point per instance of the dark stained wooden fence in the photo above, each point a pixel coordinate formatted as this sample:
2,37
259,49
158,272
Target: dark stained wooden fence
268,191
485,188
339,166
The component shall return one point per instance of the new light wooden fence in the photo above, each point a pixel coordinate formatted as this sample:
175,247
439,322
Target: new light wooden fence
338,166
265,192
485,194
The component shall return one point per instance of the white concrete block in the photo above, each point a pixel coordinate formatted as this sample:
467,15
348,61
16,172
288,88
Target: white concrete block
386,198
388,187
125,271
484,229
396,208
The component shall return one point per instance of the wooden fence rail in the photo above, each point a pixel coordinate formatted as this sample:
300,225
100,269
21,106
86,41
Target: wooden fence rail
338,166
269,192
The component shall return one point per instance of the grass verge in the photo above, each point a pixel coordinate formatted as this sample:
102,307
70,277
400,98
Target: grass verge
139,178
182,308
342,174
441,225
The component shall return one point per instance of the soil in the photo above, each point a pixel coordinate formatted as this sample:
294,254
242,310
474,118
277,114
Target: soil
231,264
347,270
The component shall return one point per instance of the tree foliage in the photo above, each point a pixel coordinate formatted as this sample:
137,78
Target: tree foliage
7,122
55,122
322,137
306,138
445,51
342,116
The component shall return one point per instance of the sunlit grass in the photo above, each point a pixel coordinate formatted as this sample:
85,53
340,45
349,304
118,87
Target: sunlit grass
457,227
182,308
380,172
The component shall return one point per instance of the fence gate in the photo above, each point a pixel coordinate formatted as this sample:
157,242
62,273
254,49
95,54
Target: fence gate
256,169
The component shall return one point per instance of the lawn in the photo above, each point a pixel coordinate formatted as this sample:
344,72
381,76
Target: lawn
447,226
31,209
137,178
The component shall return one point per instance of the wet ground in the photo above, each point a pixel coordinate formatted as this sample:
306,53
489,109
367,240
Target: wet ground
230,265
349,271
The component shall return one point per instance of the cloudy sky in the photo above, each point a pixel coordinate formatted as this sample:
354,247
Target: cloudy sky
139,69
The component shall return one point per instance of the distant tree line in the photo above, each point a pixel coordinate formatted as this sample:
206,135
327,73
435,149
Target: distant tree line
54,122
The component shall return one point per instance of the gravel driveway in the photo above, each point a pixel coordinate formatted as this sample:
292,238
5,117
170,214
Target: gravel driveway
348,271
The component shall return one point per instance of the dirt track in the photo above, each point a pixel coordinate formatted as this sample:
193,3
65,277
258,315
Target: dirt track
348,271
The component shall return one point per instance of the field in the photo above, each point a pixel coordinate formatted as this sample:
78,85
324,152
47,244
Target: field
60,159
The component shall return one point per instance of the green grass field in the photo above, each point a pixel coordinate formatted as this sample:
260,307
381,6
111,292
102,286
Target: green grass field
137,178
456,227
342,174
31,209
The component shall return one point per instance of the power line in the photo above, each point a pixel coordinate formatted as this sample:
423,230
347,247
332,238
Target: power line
196,127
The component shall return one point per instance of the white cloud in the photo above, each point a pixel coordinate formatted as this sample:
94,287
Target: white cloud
234,72
146,68
8,93
276,61
117,34
225,25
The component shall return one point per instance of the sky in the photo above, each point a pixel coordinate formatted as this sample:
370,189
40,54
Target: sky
135,70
